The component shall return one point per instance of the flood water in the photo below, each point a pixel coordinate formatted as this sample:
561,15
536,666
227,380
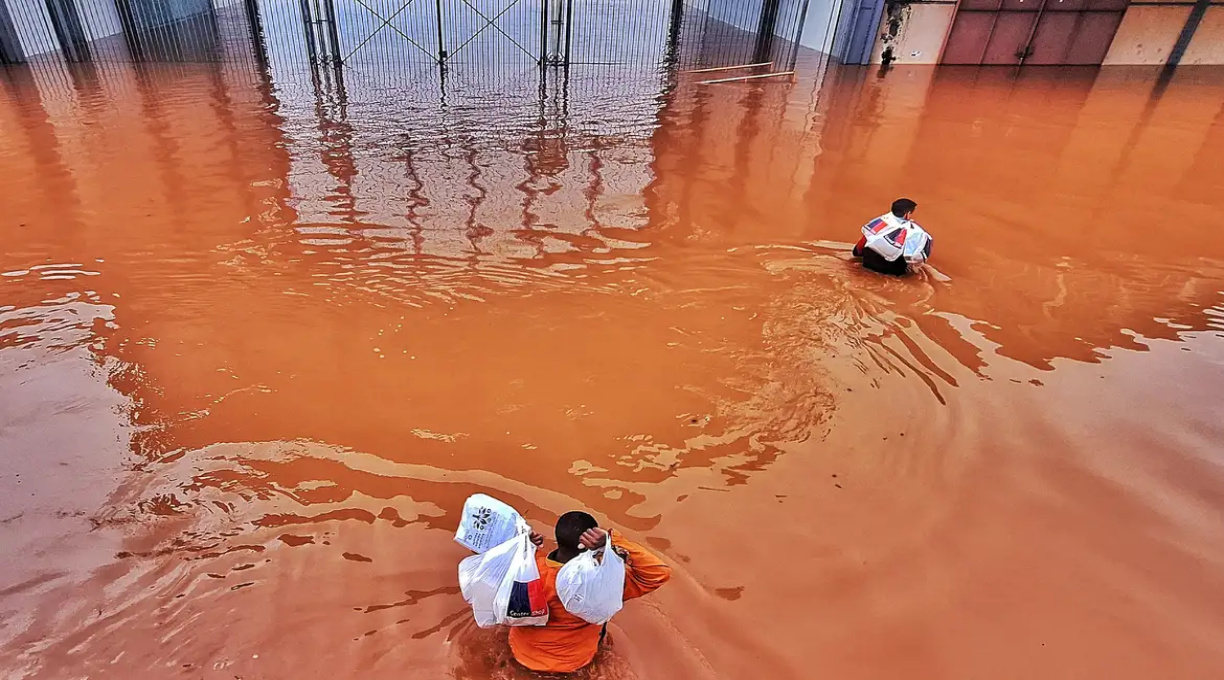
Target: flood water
258,343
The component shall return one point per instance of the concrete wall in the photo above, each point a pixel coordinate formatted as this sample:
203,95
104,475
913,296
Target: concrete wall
1207,47
915,31
1147,34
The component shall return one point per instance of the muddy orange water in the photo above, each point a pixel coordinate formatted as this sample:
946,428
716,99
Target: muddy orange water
258,342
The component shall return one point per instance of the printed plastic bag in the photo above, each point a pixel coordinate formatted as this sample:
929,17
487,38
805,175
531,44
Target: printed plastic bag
503,585
593,589
487,522
893,237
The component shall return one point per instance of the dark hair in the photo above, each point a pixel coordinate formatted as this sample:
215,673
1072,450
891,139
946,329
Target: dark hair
571,526
901,206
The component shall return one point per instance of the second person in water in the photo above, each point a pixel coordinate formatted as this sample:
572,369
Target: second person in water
893,243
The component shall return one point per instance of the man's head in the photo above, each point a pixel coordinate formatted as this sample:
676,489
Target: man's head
570,527
903,208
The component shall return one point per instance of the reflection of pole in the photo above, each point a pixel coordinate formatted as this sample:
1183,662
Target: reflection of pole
277,147
66,21
336,152
10,46
416,199
596,189
475,231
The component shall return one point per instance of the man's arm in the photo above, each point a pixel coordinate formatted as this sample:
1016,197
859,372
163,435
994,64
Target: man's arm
644,572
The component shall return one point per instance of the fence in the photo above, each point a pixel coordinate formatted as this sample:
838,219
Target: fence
381,34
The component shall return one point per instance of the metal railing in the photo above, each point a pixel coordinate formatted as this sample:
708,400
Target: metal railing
383,34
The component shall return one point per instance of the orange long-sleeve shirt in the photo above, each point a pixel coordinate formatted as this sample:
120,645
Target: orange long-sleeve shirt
568,643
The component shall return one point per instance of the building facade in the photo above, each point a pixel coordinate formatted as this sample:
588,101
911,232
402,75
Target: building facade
1023,32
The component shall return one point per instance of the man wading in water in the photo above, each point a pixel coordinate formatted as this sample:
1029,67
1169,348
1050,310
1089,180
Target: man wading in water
568,643
893,242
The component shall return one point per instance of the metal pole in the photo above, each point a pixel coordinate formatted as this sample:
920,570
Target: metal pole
543,32
308,25
729,68
739,78
441,46
799,34
66,21
10,46
1027,50
569,28
675,20
332,35
557,10
257,32
765,30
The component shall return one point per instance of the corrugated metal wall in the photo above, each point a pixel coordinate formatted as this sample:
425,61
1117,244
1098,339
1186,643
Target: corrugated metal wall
1033,31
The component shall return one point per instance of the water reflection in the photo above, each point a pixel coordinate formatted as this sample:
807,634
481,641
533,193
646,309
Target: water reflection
318,314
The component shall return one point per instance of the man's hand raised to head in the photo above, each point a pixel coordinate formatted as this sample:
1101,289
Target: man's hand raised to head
592,538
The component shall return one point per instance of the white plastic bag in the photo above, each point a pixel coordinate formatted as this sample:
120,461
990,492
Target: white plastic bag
487,522
593,589
503,585
893,237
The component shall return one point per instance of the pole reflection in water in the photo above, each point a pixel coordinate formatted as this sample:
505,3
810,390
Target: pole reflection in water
262,333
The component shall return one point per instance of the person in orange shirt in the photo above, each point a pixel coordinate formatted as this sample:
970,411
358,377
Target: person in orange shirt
567,643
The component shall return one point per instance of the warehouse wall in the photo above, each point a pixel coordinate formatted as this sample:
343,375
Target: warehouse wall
1207,46
1148,32
913,31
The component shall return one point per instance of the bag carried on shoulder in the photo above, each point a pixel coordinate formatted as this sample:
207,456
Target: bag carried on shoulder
592,585
502,582
487,522
892,237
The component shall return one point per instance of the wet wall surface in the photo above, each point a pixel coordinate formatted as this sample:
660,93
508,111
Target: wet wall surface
259,338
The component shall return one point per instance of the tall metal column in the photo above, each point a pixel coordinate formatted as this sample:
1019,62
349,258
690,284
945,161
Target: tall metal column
333,36
66,20
308,25
543,33
10,46
569,28
765,31
441,45
674,23
803,11
257,32
558,13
